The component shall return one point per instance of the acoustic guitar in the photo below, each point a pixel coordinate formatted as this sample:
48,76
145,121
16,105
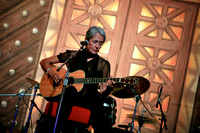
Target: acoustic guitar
48,88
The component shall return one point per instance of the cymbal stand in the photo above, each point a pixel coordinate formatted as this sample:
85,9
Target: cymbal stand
17,106
147,109
137,98
31,108
16,110
141,122
163,119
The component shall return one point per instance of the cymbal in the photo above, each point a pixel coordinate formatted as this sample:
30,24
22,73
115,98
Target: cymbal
130,87
142,118
33,82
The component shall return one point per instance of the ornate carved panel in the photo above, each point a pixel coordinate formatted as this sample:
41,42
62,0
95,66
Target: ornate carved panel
81,14
157,44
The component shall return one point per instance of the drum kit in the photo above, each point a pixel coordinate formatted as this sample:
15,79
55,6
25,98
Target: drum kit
125,91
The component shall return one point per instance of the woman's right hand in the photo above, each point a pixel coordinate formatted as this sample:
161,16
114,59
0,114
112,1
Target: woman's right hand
55,76
47,64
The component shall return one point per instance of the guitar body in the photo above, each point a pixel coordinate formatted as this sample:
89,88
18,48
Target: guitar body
48,88
126,87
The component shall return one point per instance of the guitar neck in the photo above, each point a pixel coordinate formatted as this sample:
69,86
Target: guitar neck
95,80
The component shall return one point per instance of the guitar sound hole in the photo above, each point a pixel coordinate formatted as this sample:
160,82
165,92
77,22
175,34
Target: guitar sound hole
55,85
70,80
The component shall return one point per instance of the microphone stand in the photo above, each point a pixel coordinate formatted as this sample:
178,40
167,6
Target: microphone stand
31,108
163,119
65,83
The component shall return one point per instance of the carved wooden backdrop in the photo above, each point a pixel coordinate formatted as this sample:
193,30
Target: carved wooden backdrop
22,30
146,38
157,46
81,14
149,38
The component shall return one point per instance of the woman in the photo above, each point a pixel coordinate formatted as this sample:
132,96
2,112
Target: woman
93,65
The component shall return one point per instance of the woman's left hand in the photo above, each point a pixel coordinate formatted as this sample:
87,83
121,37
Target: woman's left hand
110,83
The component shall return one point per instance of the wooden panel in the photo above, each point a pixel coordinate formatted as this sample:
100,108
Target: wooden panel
6,5
158,41
81,14
21,57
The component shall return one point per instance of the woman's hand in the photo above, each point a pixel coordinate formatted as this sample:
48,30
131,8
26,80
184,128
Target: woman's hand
110,83
104,86
47,64
55,76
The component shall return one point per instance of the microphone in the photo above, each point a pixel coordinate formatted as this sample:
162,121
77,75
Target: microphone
159,96
85,43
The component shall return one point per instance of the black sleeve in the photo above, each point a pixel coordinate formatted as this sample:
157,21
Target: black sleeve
103,67
106,69
62,57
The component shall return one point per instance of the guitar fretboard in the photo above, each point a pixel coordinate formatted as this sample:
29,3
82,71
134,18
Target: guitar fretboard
95,80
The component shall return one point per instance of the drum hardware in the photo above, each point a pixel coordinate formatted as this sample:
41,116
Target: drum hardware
126,127
109,110
129,92
145,119
16,110
137,98
23,93
31,108
133,90
131,125
141,120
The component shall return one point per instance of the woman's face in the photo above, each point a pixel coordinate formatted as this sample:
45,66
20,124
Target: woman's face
95,44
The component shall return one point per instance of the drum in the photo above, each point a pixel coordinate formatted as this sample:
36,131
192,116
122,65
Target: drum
109,110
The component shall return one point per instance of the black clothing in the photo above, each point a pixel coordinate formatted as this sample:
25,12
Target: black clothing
92,99
98,67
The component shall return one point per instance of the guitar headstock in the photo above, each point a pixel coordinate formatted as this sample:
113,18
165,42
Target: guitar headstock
130,81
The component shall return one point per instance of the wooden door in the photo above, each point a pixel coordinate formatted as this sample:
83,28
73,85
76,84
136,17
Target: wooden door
157,42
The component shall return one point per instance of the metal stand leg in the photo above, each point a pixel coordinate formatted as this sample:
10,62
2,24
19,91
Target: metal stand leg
137,98
16,110
61,100
31,108
141,122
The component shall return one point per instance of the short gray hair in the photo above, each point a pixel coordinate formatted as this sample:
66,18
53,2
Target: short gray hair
92,31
